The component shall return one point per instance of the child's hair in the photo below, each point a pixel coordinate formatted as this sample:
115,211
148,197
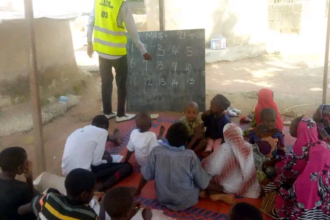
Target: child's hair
191,104
221,101
177,135
118,202
79,181
244,211
267,111
11,158
101,121
143,121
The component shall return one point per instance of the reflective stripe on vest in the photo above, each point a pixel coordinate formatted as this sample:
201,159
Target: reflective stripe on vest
109,38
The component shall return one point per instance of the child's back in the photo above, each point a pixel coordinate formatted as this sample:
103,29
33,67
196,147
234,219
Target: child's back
142,143
177,171
141,140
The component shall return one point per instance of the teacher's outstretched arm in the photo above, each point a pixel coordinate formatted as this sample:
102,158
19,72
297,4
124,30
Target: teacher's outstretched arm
128,19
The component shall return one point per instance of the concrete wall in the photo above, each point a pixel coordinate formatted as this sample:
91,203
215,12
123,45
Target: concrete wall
295,16
55,56
242,22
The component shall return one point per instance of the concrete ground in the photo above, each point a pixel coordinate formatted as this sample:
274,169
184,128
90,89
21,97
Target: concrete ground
294,83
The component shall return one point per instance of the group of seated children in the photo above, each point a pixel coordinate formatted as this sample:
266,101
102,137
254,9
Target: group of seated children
178,172
20,201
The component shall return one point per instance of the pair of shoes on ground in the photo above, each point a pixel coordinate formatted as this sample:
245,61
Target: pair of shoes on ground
126,117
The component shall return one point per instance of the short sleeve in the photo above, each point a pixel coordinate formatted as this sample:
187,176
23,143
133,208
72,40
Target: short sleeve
201,178
148,170
153,141
130,146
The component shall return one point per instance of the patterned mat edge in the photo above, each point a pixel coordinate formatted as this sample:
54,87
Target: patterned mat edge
190,213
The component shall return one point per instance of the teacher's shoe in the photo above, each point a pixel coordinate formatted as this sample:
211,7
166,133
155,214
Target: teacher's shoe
126,117
110,116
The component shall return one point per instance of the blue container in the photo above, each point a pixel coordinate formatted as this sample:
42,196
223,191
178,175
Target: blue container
64,99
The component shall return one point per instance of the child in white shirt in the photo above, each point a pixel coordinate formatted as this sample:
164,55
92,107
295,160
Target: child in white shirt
141,141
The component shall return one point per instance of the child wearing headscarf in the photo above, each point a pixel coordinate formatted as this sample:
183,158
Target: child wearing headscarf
266,100
322,119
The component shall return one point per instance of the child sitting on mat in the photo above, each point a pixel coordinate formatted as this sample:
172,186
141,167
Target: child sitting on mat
80,188
119,204
244,211
177,172
14,193
195,127
141,141
215,120
266,136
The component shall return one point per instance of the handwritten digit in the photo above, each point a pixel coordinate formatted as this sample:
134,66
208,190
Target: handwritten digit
162,82
188,67
192,81
175,65
182,35
162,51
132,63
189,52
160,65
175,50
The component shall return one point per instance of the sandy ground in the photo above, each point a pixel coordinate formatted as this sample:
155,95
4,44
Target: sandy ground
293,82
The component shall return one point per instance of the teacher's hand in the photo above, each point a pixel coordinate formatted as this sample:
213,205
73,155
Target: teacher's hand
147,56
90,50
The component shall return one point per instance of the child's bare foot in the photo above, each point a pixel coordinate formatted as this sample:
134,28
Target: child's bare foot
203,195
116,136
161,132
229,199
206,154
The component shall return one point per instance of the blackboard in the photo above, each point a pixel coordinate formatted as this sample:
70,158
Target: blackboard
175,76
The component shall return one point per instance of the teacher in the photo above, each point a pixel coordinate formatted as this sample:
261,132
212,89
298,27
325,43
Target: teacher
109,21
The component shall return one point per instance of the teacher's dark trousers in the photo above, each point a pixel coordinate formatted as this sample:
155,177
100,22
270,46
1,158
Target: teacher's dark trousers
121,68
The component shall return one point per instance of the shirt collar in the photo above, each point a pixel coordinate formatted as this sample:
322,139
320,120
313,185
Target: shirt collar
172,148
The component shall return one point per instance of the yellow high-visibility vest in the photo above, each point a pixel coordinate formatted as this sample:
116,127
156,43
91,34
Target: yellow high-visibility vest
109,37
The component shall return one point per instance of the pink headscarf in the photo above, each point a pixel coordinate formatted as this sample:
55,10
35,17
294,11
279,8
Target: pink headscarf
306,133
294,164
312,185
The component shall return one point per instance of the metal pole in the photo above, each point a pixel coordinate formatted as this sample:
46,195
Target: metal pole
34,89
326,61
161,15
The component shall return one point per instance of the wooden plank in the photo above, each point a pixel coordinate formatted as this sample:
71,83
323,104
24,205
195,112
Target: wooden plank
326,62
161,15
34,89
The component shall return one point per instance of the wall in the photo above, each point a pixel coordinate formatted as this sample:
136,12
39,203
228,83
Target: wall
295,16
242,22
56,62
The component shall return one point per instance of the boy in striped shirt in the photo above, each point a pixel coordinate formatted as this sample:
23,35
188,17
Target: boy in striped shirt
80,187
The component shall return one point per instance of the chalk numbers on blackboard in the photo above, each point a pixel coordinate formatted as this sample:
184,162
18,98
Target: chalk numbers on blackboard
182,35
162,82
161,51
188,67
175,66
175,50
160,65
132,63
189,52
